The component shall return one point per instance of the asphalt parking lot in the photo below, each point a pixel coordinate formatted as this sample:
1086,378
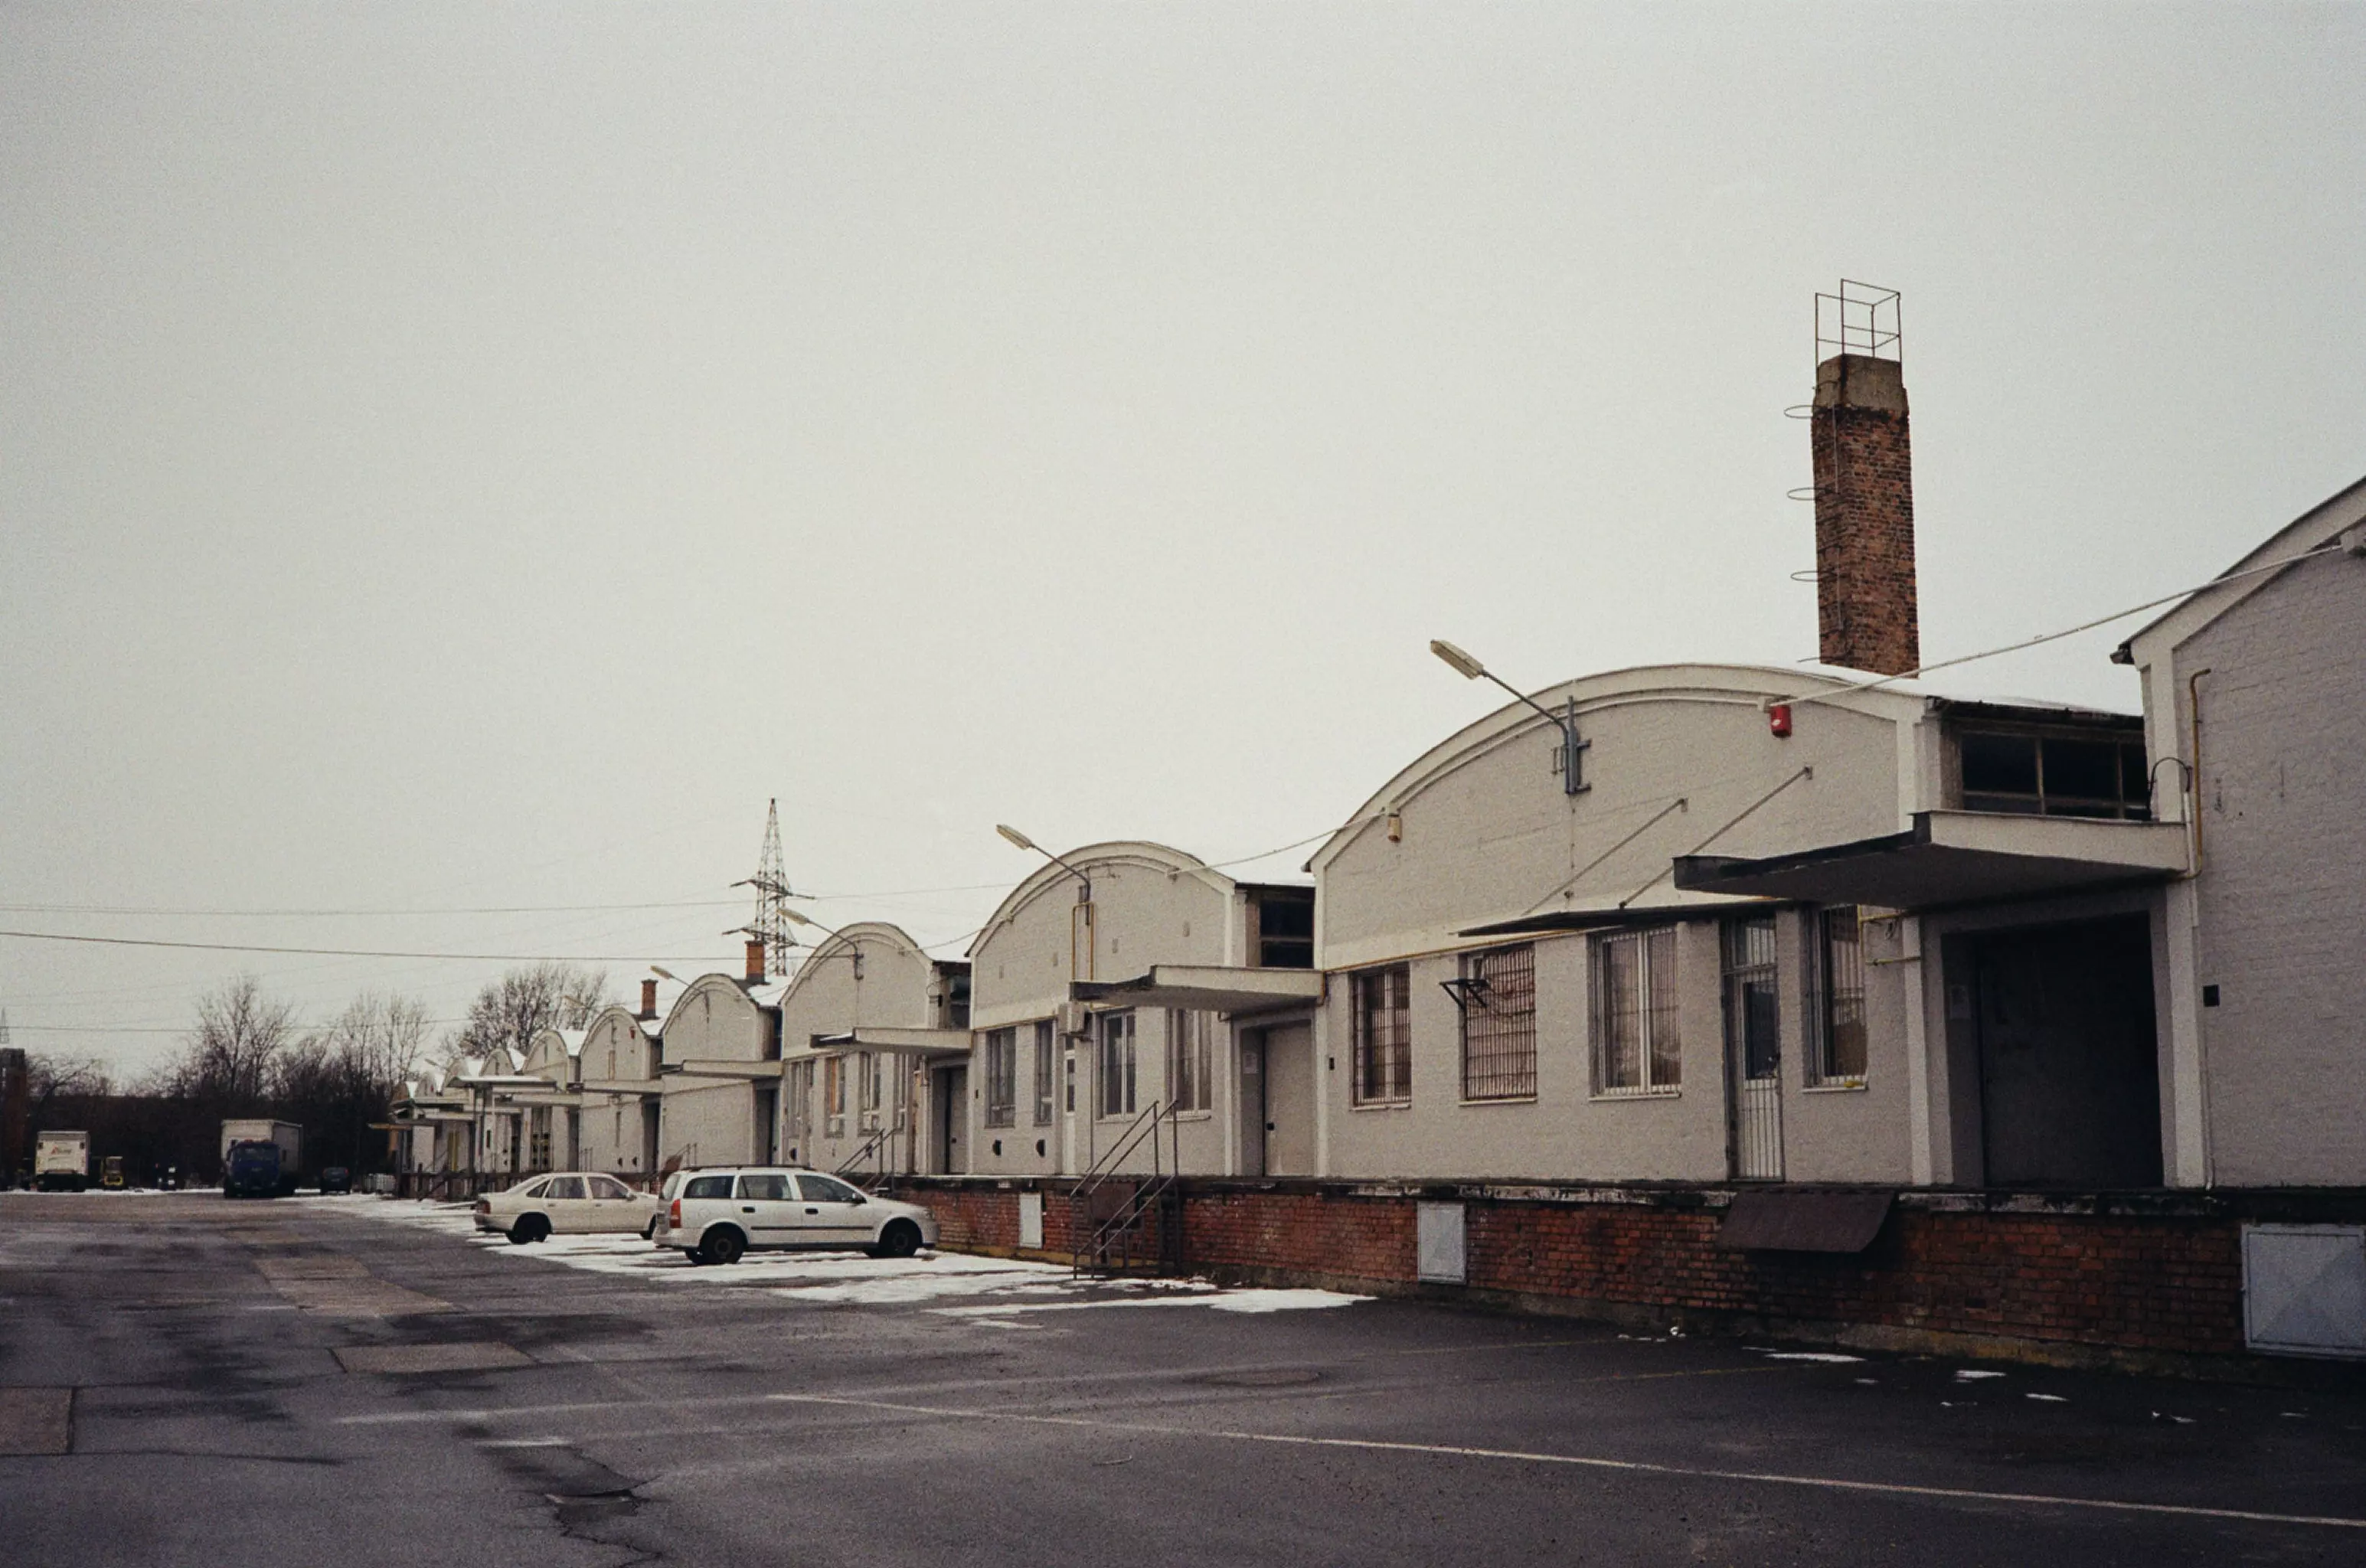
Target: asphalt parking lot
188,1381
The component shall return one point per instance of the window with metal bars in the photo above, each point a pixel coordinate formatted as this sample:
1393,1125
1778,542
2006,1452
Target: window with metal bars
1638,1048
1117,1063
1187,1059
1047,1068
1383,1036
1001,1078
1838,1060
1498,996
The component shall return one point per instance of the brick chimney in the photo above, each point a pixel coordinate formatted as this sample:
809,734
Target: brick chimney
648,999
755,960
1864,492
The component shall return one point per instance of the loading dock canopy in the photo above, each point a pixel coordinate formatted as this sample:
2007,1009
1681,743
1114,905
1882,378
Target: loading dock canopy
723,1071
1953,857
928,1041
1205,988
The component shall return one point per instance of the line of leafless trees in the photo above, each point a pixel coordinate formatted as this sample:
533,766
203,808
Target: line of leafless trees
249,1055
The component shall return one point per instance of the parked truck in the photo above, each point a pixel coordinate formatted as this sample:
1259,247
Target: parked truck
260,1157
62,1162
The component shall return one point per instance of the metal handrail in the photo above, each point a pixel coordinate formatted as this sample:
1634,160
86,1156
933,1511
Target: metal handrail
1164,1173
875,1143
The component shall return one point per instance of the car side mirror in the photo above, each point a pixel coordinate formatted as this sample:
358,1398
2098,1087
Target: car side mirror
858,1197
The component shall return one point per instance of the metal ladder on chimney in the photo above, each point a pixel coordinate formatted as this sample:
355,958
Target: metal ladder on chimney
1122,1222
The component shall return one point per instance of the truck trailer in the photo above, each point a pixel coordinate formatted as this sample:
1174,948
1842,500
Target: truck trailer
260,1157
62,1162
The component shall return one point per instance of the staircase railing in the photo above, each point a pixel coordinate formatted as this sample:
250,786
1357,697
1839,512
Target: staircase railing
873,1147
1109,1206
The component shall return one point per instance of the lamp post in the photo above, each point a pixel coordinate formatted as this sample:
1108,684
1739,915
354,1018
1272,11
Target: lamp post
1570,764
853,950
1084,881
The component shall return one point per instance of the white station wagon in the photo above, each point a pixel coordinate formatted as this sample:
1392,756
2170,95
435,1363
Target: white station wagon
717,1215
573,1203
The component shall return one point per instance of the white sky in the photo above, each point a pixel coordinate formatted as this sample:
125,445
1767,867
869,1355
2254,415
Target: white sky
473,456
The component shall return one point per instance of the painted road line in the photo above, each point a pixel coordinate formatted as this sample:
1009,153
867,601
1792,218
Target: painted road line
1586,1461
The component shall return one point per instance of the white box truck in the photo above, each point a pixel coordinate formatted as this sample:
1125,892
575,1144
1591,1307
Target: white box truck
260,1157
62,1161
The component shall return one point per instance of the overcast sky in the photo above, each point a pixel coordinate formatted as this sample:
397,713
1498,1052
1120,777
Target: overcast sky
459,456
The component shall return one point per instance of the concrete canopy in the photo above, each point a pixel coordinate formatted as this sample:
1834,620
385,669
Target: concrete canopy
1953,857
1205,989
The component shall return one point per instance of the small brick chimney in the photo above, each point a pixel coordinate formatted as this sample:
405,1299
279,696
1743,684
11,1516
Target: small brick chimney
648,999
1865,494
755,959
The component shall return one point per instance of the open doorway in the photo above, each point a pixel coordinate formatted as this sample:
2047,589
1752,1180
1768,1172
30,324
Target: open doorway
2069,1058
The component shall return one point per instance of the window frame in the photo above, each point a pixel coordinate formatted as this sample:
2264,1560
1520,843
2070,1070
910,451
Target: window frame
1190,1064
1832,985
1508,1009
1002,1077
1388,977
1117,1072
1651,1082
1047,1071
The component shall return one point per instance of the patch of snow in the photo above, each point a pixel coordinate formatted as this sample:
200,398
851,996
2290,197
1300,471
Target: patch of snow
2048,1398
1970,1375
1246,1301
1808,1356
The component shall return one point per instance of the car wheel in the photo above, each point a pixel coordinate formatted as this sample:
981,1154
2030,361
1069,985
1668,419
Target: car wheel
650,1230
900,1239
529,1228
693,1254
724,1244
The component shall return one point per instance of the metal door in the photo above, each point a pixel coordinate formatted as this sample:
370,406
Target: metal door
1753,1049
952,1119
1253,1102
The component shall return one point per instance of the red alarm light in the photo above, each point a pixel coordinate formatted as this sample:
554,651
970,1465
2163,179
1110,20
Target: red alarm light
1779,718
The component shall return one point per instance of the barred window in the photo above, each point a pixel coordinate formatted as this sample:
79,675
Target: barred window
800,1096
1839,1057
1498,995
870,1079
1047,1070
1187,1059
1383,1031
1637,1046
1117,1063
1001,1078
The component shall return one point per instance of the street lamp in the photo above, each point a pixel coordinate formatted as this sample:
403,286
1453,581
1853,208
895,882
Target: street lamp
1570,763
1084,882
853,950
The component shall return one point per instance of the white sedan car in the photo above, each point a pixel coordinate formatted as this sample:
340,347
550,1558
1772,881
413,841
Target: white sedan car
575,1203
716,1216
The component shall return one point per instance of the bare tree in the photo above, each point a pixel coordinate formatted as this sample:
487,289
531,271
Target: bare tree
509,1011
228,1062
49,1076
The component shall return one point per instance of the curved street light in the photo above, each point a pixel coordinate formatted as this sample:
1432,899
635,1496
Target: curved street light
1084,882
1570,764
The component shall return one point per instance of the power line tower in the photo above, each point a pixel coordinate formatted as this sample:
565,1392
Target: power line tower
771,882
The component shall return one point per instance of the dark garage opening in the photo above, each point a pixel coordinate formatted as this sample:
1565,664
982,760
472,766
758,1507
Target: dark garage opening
2069,1065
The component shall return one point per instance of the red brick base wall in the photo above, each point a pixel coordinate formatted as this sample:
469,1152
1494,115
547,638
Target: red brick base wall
2150,1283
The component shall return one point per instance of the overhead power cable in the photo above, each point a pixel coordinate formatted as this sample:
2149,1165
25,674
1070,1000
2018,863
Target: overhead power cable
362,952
2067,631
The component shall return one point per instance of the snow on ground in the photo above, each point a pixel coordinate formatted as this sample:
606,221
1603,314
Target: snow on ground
999,1286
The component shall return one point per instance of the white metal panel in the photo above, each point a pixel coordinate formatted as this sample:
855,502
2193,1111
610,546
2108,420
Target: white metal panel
1438,1244
1031,1219
2304,1289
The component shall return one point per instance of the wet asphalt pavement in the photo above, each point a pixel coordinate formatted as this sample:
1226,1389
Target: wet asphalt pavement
188,1381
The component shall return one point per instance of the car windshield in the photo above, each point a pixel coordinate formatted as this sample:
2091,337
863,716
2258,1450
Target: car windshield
827,1190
